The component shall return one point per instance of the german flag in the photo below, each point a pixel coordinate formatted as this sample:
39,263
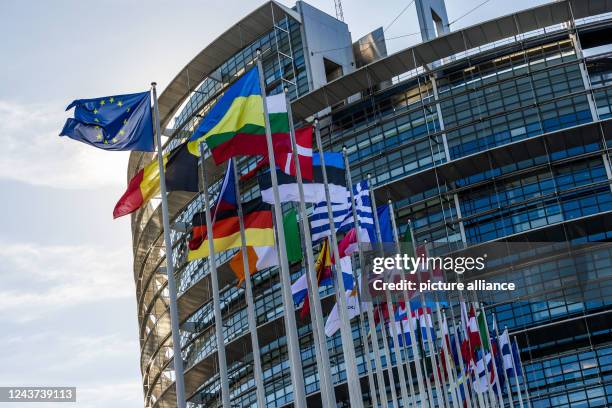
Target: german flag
181,170
226,229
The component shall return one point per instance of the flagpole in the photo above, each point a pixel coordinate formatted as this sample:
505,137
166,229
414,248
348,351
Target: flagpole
516,381
500,351
357,227
431,345
408,307
447,363
350,362
212,264
464,374
491,394
174,320
328,396
482,401
248,294
393,328
423,357
527,397
496,372
371,324
293,345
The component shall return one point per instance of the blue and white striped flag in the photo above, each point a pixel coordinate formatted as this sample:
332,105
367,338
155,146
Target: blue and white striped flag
343,215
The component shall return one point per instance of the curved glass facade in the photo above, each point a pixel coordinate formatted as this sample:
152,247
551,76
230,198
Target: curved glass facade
498,118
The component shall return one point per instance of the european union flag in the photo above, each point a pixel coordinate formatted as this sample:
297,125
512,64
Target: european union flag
120,122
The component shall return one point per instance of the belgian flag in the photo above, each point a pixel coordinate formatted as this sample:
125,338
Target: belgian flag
181,171
226,229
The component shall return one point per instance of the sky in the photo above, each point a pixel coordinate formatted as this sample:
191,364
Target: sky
67,294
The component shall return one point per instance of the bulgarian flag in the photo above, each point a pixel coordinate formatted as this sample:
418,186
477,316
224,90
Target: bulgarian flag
235,124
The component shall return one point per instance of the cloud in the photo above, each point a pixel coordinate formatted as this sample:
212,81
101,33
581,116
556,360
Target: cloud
33,153
40,279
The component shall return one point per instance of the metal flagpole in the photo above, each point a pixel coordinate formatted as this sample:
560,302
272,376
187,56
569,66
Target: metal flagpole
527,397
328,396
428,337
490,393
500,351
396,348
372,327
248,294
293,345
516,381
346,332
447,363
413,334
393,327
464,374
408,307
212,263
357,227
500,398
422,359
174,321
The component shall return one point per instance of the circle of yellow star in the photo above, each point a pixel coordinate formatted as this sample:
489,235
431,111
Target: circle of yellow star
122,132
99,137
96,119
119,103
114,140
111,100
102,102
95,111
125,121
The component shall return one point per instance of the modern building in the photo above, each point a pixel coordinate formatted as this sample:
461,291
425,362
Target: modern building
492,133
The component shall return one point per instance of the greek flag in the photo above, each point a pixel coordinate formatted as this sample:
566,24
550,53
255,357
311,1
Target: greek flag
343,215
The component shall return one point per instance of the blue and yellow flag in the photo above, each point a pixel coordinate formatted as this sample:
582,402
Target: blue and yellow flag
120,122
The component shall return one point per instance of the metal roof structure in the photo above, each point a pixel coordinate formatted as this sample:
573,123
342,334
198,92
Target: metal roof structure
447,45
238,36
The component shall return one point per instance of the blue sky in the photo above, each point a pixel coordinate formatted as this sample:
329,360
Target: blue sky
67,297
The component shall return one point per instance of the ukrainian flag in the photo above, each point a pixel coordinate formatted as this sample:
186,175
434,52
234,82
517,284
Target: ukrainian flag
235,125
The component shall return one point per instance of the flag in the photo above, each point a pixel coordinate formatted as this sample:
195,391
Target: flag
481,383
482,328
343,215
235,125
260,258
284,161
181,172
332,324
258,229
227,200
323,264
292,236
420,321
384,222
322,268
120,122
314,191
518,368
506,352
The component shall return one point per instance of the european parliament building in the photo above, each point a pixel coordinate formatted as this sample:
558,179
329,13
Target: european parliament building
496,132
